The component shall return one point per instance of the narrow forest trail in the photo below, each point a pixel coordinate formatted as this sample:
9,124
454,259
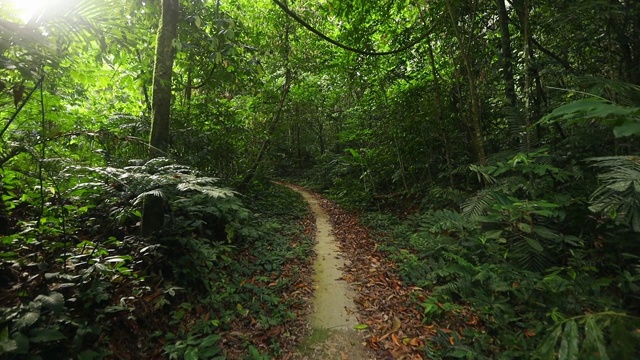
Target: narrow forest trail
355,284
334,312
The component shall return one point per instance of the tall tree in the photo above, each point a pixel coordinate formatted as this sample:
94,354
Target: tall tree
467,62
153,212
507,56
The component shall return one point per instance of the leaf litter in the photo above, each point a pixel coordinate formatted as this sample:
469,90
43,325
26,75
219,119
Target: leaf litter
395,322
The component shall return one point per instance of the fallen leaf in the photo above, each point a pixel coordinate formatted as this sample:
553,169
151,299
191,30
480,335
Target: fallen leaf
395,339
414,342
373,342
395,324
473,321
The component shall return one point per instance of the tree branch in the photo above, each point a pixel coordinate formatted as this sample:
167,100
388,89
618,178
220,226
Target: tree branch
346,47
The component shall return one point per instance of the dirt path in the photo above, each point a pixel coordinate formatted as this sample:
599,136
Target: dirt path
392,312
334,312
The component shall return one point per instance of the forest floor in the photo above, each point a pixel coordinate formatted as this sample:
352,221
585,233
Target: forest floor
333,319
358,298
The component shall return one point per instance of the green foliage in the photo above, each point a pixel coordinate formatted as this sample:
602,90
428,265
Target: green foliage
511,256
214,254
541,244
624,120
194,348
244,281
127,187
619,195
606,335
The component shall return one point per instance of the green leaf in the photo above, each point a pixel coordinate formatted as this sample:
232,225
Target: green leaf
46,335
627,129
623,340
191,354
27,320
545,232
8,345
209,341
524,227
594,338
114,309
461,354
361,327
569,343
591,108
535,244
546,350
22,342
493,234
176,44
53,301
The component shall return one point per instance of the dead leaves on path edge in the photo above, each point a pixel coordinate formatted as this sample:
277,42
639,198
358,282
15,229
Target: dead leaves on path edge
390,309
383,301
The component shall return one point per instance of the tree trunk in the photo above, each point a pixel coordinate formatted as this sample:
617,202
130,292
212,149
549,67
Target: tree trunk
321,137
507,56
439,117
478,139
153,212
522,8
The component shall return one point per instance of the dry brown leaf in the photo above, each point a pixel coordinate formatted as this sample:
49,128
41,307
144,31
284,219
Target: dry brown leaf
414,342
473,320
395,339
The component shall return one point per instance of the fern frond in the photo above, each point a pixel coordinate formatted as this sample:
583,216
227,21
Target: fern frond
483,174
214,192
478,204
155,192
622,92
529,258
619,194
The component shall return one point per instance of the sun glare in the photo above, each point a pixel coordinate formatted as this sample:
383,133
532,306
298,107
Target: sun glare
25,9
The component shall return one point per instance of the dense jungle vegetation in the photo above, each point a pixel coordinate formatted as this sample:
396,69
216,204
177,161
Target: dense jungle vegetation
492,146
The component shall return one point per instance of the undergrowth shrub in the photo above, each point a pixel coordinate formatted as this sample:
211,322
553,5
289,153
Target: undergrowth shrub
78,277
540,286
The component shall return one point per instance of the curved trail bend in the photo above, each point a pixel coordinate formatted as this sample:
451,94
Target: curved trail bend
334,312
